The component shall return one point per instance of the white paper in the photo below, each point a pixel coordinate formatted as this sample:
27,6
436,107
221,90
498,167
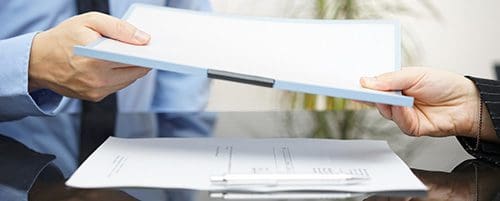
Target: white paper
311,56
188,163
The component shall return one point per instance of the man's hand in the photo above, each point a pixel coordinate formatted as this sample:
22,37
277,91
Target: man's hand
53,66
445,103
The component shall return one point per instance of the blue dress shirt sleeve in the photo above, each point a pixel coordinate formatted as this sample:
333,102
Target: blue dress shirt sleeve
15,100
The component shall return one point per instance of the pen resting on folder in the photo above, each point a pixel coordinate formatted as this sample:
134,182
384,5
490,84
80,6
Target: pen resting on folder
287,179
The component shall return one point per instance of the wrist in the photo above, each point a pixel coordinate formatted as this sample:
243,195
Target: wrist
37,62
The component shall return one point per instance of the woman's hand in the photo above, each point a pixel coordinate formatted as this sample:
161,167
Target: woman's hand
445,104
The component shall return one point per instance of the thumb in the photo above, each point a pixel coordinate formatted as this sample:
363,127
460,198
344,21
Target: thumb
115,28
392,81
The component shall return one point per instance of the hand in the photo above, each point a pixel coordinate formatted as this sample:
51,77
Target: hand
54,66
445,103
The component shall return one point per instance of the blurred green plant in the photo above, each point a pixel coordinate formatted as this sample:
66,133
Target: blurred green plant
348,122
365,9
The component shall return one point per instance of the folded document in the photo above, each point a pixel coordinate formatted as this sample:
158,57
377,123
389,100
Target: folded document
251,165
325,57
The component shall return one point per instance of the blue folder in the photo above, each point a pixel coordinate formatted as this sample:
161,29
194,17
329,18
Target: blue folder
325,57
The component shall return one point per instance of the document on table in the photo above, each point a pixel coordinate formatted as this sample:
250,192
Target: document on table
193,163
325,57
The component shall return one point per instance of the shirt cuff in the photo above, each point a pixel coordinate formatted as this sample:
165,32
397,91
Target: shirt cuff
15,100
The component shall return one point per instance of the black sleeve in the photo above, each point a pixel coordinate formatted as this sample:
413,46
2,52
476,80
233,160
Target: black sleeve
489,90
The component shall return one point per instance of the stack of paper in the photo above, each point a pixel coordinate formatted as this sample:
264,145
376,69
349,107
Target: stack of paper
250,165
325,57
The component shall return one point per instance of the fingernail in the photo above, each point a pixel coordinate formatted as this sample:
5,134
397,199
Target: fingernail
369,81
142,37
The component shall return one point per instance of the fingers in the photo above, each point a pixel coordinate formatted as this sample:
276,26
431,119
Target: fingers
398,80
407,120
102,64
404,117
114,81
105,92
115,28
370,104
384,110
97,95
125,74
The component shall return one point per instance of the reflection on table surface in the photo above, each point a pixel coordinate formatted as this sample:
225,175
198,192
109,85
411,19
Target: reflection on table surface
440,163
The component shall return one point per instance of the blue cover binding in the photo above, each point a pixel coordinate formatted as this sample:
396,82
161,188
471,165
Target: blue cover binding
394,98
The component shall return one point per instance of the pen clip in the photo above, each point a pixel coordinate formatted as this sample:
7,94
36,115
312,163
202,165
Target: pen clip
287,179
